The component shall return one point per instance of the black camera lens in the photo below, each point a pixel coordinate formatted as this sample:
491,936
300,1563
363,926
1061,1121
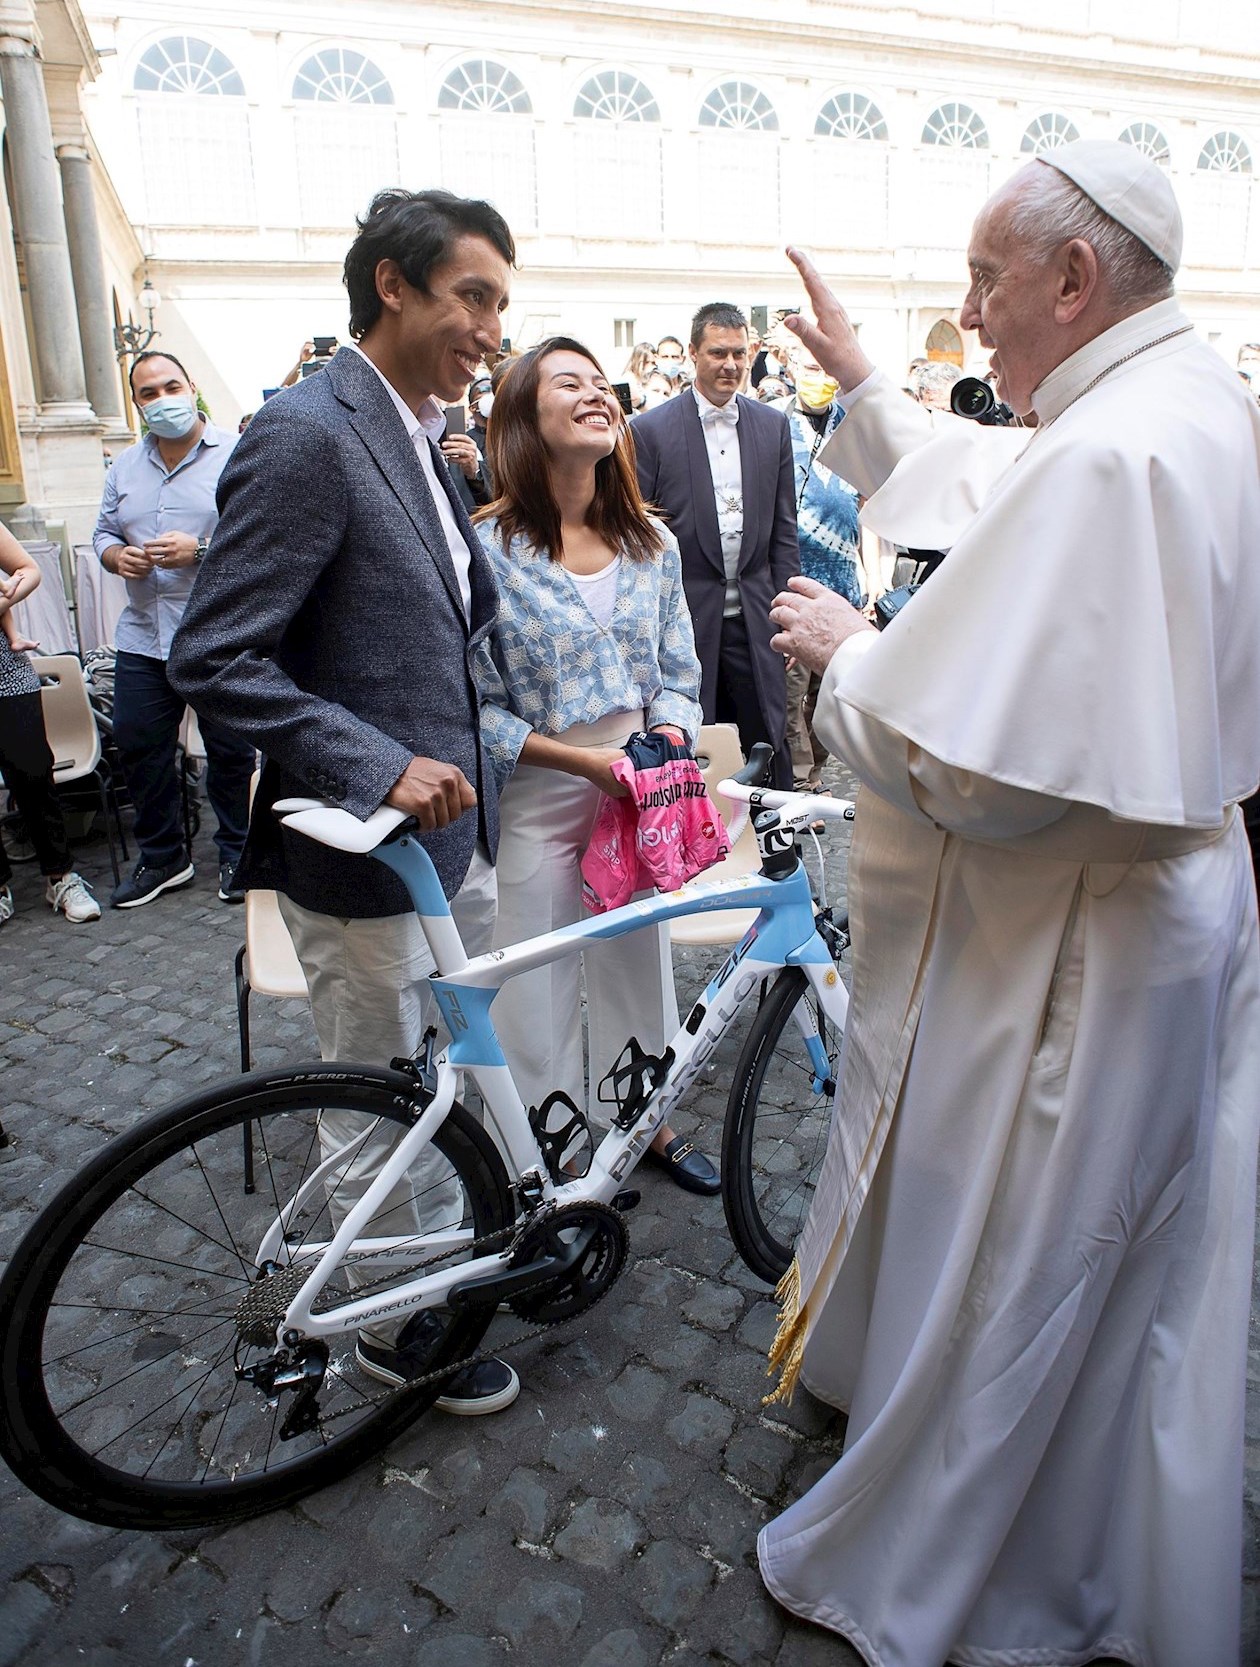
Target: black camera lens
970,397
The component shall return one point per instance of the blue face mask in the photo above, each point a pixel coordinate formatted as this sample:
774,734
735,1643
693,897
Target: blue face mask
170,418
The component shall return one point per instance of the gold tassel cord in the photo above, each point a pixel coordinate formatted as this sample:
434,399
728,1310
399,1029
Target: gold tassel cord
787,1352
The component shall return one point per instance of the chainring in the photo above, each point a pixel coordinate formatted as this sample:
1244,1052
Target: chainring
598,1269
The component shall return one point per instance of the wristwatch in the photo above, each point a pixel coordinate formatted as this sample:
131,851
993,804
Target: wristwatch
203,544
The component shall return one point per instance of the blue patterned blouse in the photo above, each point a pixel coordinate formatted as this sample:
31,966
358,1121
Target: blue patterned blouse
547,665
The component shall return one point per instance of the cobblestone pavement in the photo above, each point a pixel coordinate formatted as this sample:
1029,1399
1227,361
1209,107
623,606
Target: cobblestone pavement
607,1519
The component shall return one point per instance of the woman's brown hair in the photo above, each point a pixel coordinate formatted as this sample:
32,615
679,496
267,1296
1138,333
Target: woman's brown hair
525,505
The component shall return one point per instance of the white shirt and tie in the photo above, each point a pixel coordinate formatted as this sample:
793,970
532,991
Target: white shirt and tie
721,438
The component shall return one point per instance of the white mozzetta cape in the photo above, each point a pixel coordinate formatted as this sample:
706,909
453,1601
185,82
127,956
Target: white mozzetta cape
1065,644
1027,1269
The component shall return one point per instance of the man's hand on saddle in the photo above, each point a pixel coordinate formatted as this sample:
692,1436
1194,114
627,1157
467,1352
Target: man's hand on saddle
436,794
830,337
812,622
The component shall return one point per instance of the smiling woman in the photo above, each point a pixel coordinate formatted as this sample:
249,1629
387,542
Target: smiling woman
593,641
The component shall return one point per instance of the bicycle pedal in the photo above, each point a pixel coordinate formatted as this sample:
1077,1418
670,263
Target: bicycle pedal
627,1200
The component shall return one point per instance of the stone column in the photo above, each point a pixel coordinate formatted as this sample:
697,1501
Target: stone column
37,211
88,269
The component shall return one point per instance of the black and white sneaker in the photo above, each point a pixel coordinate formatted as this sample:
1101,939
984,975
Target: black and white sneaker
474,1391
143,884
229,891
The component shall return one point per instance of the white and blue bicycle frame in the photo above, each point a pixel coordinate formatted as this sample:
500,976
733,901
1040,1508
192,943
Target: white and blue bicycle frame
783,934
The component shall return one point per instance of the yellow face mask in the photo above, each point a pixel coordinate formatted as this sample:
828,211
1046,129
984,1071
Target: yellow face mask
816,390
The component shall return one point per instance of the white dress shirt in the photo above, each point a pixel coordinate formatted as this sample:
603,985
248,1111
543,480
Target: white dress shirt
721,438
431,425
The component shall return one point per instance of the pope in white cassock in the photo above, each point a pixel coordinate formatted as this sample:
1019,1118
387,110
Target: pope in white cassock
1027,1271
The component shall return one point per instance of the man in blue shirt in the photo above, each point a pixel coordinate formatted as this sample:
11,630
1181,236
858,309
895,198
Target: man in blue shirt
157,516
828,533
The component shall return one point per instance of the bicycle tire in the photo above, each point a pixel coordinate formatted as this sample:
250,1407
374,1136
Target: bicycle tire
122,1274
775,1134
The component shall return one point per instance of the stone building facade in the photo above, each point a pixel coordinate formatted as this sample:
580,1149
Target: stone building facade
69,265
647,162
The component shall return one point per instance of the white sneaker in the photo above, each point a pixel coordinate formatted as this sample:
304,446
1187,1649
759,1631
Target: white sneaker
72,897
6,904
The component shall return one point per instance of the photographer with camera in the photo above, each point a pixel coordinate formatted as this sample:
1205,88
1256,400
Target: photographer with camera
464,446
313,356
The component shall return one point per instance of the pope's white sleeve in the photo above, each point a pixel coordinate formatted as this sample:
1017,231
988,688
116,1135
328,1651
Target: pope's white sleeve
880,427
914,781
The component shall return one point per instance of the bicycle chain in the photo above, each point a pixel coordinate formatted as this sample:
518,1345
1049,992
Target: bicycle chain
517,1231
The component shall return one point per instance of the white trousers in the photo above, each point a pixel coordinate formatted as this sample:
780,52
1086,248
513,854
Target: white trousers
545,821
368,983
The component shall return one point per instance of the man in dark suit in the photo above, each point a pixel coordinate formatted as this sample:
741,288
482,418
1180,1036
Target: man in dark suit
719,467
333,623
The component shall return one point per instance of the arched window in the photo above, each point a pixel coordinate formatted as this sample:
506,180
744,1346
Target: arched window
338,75
957,127
1225,153
1048,132
944,342
184,64
1147,138
851,116
614,95
739,104
485,88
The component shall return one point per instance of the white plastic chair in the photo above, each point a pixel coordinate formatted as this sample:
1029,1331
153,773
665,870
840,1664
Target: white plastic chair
73,737
191,763
719,755
266,961
45,614
99,597
268,964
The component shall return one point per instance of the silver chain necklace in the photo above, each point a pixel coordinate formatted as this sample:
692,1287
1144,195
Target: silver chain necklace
1102,374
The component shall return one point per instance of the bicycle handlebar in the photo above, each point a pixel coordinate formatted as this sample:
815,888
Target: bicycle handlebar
338,828
801,808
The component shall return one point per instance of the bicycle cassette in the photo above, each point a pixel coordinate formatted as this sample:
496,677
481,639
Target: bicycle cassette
591,1239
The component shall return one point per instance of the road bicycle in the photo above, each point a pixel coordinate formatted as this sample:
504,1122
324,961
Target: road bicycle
182,1320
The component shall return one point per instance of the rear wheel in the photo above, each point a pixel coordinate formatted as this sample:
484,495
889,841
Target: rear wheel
140,1388
778,1117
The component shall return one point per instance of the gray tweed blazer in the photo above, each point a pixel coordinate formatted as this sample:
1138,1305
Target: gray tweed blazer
326,625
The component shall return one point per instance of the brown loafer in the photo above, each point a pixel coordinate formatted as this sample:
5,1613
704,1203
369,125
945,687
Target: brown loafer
689,1168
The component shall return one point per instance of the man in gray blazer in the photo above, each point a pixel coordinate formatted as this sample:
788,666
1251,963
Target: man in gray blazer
333,623
719,467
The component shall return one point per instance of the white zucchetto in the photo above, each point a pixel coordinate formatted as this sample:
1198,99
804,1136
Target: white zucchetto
1127,185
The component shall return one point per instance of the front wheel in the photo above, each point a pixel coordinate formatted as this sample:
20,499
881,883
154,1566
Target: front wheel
141,1384
778,1117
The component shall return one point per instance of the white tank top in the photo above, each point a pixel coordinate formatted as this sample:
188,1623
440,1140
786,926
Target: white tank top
599,590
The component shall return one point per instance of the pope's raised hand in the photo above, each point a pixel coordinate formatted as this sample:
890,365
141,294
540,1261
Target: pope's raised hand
831,339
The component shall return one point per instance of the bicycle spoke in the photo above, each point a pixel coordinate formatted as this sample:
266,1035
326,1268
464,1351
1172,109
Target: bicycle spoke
162,1261
144,1366
117,1336
152,1411
129,1325
214,1199
210,1371
156,1204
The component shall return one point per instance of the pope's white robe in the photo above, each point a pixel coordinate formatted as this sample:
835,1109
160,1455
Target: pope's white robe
1027,1270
